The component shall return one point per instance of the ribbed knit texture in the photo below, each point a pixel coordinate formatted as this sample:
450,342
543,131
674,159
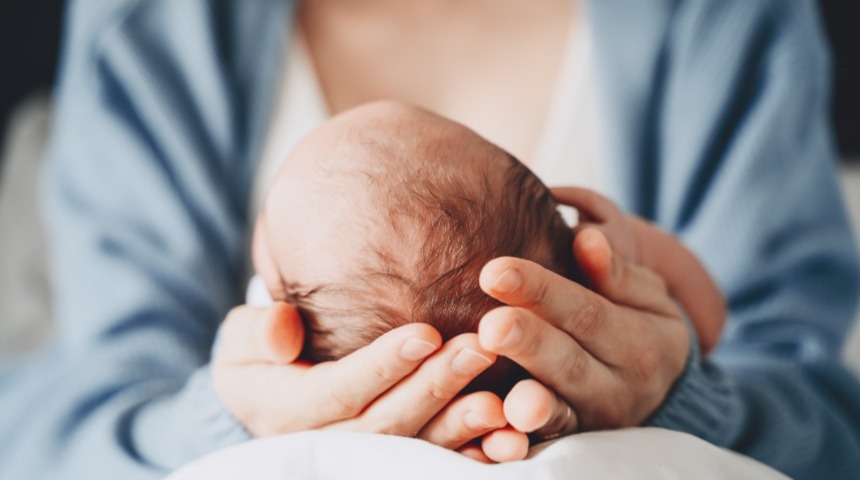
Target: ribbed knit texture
716,122
699,402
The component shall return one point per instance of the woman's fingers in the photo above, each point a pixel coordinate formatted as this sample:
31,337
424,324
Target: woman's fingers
474,451
346,387
591,205
465,419
532,408
547,352
529,406
621,240
597,211
274,399
589,318
505,445
260,335
617,279
427,391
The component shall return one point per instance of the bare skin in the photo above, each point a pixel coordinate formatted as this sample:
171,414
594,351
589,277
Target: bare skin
637,272
373,390
489,65
602,358
643,244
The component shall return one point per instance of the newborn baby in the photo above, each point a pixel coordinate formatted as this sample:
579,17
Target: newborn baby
385,216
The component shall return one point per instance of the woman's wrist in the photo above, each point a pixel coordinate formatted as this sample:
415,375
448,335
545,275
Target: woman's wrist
702,402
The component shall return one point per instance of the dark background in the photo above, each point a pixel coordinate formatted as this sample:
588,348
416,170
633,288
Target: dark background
29,40
30,35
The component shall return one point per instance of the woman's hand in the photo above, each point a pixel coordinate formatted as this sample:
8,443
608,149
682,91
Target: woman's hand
404,383
641,243
601,359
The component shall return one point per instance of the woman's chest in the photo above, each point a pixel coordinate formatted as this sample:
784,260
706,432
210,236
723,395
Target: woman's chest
493,69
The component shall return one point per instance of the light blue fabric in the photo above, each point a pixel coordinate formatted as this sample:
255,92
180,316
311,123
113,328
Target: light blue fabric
716,116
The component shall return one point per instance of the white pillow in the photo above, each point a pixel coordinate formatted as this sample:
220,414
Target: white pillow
638,453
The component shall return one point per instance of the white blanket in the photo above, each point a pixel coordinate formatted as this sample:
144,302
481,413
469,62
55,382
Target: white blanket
638,453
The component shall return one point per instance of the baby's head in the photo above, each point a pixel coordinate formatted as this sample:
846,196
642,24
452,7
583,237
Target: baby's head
385,216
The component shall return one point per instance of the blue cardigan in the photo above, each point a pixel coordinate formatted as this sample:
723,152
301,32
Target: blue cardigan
717,119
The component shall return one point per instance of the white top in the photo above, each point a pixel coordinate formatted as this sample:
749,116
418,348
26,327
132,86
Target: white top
300,108
568,151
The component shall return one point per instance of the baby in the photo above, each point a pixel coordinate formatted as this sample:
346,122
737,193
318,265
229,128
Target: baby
386,214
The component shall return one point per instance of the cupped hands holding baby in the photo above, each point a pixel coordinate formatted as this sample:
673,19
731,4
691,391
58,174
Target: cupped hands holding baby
426,285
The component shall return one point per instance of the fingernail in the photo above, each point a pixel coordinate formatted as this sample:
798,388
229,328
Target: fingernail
508,281
470,362
415,349
473,421
513,338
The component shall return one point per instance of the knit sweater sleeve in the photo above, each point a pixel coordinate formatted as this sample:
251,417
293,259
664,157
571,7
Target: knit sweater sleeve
750,185
148,244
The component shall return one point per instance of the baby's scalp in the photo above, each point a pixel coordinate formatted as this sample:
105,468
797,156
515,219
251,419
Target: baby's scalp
385,216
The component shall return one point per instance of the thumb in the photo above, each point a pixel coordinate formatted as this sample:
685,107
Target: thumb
594,256
283,333
274,334
617,279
